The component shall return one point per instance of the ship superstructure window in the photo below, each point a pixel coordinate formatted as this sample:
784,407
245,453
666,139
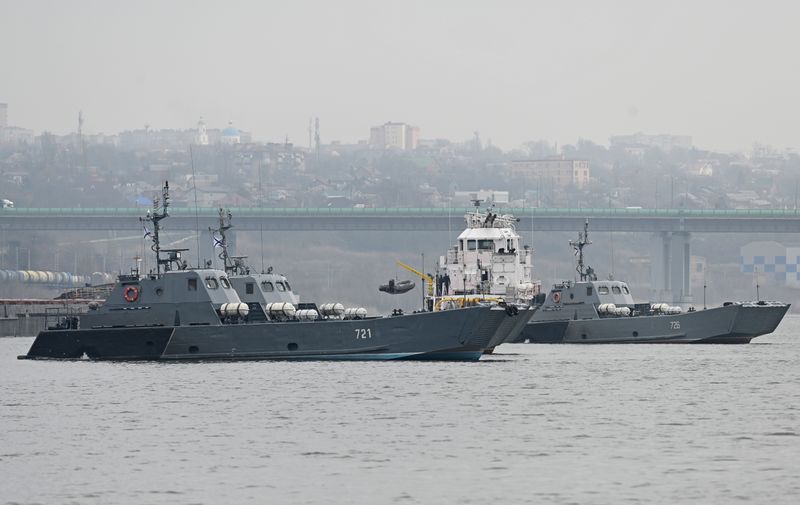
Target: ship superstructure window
248,288
461,244
192,285
280,286
486,245
588,291
472,245
288,287
211,283
224,282
616,290
602,290
625,289
267,286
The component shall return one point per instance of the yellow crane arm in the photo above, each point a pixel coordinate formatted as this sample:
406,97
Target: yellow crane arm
423,276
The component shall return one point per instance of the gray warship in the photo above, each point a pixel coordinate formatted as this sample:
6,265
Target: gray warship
269,293
488,261
589,310
181,313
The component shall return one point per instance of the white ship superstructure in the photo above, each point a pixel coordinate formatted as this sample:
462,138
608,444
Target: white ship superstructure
489,260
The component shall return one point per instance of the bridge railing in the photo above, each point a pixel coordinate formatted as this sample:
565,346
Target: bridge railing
403,212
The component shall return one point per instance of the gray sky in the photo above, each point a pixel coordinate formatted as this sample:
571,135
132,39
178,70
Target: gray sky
725,72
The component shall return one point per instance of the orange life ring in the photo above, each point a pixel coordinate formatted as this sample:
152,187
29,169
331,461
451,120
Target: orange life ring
557,296
131,294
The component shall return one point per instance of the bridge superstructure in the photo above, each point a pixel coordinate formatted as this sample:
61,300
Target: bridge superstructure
404,219
670,249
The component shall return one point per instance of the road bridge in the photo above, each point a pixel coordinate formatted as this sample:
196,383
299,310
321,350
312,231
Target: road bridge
671,228
408,219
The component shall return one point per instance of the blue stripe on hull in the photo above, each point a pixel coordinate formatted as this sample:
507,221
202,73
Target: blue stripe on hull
448,356
301,357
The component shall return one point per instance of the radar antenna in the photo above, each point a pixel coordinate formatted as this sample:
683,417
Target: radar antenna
578,245
159,212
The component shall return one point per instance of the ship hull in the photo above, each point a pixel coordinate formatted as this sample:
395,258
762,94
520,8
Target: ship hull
461,335
511,329
730,324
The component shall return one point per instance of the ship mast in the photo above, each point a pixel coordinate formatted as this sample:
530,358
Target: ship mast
232,264
578,245
155,217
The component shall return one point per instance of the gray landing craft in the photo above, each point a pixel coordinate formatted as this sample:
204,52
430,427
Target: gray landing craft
588,310
179,313
270,294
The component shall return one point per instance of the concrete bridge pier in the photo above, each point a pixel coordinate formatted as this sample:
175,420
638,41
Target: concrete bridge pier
670,268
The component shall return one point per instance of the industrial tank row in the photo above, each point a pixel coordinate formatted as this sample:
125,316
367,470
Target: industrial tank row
63,279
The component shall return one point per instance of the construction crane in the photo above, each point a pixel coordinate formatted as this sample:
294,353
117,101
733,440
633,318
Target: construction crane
425,277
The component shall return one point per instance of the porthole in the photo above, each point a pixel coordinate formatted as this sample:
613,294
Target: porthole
292,346
149,343
583,336
635,333
159,291
572,296
194,349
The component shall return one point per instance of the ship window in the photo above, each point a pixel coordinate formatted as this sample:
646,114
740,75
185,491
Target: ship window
267,286
602,290
248,288
588,291
288,287
280,286
461,244
224,282
625,290
211,283
192,285
471,245
486,245
616,290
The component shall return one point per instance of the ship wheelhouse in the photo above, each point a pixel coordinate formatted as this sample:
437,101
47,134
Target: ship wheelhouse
488,259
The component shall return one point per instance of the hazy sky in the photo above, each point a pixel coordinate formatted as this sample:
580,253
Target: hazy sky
725,72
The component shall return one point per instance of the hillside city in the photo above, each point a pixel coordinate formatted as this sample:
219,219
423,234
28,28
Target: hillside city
394,166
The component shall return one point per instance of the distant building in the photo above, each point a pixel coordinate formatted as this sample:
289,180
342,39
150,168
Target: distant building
398,136
146,139
561,172
11,135
772,261
201,138
230,135
3,115
664,142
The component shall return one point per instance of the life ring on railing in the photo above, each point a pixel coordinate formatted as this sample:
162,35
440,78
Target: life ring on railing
557,297
131,294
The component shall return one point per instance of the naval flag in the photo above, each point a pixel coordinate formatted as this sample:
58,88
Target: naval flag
217,241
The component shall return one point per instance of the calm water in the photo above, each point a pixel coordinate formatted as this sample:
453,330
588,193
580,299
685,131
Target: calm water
535,424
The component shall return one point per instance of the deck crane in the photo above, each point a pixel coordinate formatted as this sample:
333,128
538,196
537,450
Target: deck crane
425,277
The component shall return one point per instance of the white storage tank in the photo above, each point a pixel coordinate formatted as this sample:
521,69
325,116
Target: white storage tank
355,313
307,315
331,309
281,309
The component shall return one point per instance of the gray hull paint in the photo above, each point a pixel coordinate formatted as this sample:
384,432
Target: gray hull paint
734,323
450,335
